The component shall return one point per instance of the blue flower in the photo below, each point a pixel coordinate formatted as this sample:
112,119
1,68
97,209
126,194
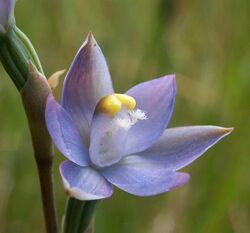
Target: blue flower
120,139
6,14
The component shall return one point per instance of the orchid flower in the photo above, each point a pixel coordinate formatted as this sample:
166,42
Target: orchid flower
120,139
6,14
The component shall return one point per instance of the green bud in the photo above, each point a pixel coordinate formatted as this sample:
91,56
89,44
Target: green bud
15,53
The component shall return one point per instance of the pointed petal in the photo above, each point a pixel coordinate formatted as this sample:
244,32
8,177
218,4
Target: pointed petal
64,133
156,98
106,140
84,183
87,81
178,147
142,178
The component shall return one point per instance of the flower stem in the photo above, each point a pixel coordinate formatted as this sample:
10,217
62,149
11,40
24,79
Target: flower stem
79,216
34,95
17,56
86,224
47,192
73,214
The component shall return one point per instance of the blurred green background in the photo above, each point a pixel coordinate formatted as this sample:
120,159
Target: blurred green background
207,44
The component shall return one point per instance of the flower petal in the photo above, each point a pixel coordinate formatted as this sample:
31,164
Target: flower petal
84,183
87,81
6,14
142,178
156,98
106,140
64,133
178,147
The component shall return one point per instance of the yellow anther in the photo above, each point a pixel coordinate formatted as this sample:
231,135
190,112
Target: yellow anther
112,104
109,104
126,100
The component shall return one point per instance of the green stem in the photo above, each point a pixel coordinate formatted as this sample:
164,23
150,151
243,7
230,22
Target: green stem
34,95
79,215
47,192
18,56
66,219
87,216
73,214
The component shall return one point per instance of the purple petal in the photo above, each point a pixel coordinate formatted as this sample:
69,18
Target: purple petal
84,183
178,147
64,133
156,98
87,81
139,177
106,140
6,13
